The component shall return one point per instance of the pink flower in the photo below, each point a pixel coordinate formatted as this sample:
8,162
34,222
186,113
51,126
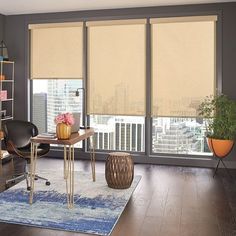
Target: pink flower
66,118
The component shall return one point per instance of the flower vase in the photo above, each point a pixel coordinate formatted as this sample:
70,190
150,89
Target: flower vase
63,131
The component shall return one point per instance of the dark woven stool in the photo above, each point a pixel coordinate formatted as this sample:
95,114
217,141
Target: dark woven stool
119,170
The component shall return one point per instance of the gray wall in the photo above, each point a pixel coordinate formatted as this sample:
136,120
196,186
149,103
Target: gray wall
2,23
16,37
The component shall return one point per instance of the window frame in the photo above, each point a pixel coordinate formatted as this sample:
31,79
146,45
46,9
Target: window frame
148,156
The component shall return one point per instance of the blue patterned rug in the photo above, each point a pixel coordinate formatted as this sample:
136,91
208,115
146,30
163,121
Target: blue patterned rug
96,211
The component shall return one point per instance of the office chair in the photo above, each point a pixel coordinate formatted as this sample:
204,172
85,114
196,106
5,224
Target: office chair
17,136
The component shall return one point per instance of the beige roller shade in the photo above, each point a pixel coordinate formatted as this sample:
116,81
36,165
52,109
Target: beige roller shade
56,51
183,65
183,19
116,68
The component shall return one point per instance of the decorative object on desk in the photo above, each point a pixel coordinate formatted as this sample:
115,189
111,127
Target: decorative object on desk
97,208
76,126
220,115
3,95
47,135
63,131
3,52
64,122
119,170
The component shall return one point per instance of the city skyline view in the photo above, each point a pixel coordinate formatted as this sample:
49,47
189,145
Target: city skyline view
52,97
125,133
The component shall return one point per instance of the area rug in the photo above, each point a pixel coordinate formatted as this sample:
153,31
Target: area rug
96,210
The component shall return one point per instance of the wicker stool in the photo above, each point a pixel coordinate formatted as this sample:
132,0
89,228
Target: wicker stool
119,170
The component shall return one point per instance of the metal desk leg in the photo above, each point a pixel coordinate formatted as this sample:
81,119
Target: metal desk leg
65,163
73,174
66,169
92,158
69,174
33,159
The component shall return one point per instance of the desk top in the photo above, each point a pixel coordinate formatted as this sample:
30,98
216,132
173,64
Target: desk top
74,138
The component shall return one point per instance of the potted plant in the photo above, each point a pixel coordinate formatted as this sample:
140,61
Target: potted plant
220,114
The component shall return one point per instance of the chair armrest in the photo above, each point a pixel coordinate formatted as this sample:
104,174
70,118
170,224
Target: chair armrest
11,148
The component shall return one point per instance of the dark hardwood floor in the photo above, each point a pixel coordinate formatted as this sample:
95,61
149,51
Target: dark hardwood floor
169,200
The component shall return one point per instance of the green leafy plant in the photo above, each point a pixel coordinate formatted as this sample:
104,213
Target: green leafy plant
220,115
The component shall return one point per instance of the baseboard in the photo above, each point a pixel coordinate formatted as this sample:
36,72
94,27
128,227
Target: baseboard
161,160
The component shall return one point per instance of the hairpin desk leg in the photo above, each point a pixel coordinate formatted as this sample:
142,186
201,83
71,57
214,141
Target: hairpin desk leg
72,174
66,170
92,158
69,174
65,163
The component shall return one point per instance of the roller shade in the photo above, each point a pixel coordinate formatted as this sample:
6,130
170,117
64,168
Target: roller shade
116,67
56,51
183,64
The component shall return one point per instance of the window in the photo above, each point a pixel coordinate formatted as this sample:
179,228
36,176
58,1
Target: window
51,97
183,74
121,133
116,83
56,68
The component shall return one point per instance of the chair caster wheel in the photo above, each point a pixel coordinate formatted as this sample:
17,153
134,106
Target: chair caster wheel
35,178
28,188
47,183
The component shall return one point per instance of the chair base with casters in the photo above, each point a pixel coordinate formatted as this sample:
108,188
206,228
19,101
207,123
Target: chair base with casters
17,138
25,176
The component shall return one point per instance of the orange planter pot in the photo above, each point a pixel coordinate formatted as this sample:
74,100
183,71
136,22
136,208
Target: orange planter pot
220,147
63,131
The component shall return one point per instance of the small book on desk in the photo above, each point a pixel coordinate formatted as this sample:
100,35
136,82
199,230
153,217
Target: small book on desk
47,135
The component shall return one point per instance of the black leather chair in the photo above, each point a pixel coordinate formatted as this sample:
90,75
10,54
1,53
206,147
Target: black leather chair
17,134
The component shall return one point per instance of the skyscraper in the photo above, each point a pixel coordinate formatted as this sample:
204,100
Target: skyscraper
62,98
118,133
177,135
40,111
129,135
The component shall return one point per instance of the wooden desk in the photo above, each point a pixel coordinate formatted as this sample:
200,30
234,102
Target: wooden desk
68,160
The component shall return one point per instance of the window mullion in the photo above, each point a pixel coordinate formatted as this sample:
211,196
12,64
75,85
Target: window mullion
147,132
